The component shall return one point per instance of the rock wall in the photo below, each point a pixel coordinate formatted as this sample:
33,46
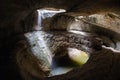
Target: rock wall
15,13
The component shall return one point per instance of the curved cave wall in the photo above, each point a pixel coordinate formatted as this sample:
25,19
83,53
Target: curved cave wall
16,17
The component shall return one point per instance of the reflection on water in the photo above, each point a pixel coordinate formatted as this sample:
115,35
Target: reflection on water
75,58
60,66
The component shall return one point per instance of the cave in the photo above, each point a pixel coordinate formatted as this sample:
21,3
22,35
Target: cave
60,40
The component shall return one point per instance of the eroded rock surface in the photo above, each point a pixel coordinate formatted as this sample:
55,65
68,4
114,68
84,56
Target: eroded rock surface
14,23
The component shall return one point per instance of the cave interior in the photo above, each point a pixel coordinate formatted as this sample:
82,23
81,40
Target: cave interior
60,40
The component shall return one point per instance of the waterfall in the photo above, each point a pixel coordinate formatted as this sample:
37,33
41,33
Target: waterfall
38,43
43,14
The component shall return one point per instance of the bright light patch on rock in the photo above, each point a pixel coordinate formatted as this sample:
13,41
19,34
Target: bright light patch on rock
78,56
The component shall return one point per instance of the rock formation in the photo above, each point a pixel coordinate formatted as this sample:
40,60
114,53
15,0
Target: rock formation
20,55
